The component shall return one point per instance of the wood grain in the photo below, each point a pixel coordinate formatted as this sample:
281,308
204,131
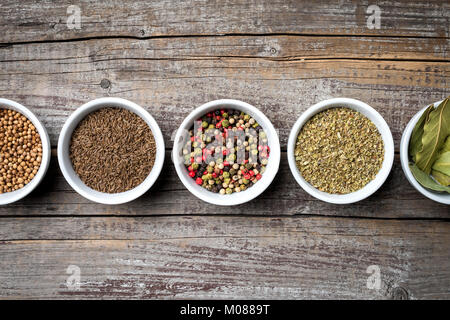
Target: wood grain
46,20
223,257
396,199
172,56
53,79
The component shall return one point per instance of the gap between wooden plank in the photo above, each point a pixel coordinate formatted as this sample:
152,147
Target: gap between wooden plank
10,43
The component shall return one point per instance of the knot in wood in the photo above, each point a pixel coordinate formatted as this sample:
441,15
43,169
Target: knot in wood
105,83
399,293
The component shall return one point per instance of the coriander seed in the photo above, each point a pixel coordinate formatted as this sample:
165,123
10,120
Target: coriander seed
20,151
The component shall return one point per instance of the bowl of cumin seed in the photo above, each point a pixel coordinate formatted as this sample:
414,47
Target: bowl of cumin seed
340,150
111,150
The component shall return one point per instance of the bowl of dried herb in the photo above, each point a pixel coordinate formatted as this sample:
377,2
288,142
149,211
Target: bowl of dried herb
340,150
425,151
111,150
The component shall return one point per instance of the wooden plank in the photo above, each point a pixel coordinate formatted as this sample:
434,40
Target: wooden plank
54,79
43,21
396,199
170,78
223,257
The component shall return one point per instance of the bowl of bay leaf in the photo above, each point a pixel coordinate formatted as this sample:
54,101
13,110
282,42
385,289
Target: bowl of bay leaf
425,151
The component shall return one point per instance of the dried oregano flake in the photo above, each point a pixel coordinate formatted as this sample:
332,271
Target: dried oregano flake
339,151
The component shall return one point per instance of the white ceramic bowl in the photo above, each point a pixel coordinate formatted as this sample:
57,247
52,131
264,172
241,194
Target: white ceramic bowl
66,164
404,159
234,198
382,127
10,197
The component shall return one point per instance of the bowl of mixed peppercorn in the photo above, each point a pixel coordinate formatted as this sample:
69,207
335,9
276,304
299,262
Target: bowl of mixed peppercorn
226,152
340,150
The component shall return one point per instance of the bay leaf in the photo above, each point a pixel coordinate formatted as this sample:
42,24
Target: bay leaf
415,142
442,163
435,131
446,146
426,181
441,178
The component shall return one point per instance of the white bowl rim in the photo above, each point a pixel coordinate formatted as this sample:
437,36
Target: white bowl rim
73,179
404,159
382,127
237,197
10,197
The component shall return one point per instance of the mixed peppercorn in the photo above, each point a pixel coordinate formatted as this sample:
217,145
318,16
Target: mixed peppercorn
226,151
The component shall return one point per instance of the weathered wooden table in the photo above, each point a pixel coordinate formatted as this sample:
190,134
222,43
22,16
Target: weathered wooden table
172,56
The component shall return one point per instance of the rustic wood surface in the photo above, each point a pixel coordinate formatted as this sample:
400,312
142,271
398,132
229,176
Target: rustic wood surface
172,56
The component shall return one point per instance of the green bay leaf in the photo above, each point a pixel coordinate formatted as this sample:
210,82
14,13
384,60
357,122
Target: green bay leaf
426,181
446,146
435,131
441,178
415,143
442,164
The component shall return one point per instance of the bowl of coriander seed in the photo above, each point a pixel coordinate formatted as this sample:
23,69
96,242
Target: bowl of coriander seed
24,151
340,150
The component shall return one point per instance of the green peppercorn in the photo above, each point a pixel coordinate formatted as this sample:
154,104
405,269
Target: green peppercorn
226,175
229,191
225,123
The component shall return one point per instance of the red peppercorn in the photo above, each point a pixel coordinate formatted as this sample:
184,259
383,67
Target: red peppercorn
222,111
192,174
190,168
251,173
258,176
192,139
218,117
205,172
199,181
214,175
199,160
225,152
192,160
226,163
260,148
247,176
